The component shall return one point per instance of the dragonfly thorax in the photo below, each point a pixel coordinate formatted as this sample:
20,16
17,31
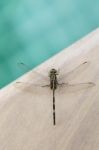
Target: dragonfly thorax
53,78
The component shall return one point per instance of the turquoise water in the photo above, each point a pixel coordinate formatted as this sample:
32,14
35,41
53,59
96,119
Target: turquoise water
31,31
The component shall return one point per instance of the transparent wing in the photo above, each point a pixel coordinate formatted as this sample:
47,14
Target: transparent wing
23,66
26,68
72,74
75,87
30,87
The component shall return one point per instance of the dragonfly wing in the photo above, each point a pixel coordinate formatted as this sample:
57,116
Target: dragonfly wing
26,68
76,87
29,87
23,66
72,74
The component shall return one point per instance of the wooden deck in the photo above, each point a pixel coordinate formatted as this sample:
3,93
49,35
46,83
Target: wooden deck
26,121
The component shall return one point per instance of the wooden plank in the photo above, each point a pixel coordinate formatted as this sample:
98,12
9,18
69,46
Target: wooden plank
26,121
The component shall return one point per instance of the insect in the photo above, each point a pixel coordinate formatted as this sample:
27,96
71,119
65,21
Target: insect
55,82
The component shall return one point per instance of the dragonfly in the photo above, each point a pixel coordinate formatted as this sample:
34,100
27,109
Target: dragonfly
55,82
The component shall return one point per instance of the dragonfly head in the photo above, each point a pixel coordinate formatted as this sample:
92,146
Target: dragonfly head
53,71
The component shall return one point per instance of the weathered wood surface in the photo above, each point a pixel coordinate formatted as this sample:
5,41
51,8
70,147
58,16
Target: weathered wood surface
26,114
